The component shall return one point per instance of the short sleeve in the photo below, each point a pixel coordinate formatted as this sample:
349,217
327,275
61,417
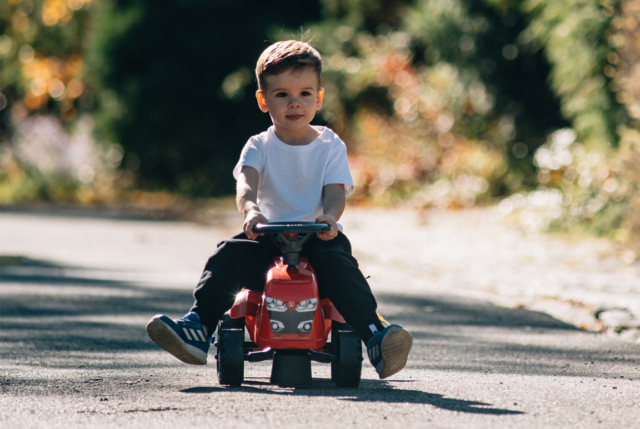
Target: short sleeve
251,156
337,171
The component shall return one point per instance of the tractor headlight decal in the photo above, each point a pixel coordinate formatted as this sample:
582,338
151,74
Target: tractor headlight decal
305,326
289,317
307,305
275,304
277,326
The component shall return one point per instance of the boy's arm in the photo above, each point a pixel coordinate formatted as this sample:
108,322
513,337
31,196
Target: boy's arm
246,199
333,204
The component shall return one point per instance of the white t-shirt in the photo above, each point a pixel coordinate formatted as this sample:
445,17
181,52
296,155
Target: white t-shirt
292,177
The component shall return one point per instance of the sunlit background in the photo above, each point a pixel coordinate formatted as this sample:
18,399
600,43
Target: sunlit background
533,105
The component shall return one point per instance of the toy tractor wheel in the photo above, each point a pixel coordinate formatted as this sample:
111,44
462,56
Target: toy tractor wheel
230,353
347,349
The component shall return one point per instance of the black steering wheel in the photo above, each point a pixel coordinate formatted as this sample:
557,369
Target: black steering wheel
290,228
285,236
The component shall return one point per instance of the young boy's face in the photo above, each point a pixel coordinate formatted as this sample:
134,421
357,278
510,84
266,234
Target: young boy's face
292,99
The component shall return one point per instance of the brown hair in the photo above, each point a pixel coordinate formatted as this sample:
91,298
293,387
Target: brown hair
290,54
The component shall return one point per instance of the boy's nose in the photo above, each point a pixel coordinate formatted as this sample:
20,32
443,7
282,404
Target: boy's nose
294,103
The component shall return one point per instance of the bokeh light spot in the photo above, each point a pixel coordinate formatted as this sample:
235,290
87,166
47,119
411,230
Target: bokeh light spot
74,88
337,61
352,65
26,54
56,88
344,33
86,174
467,44
444,122
38,86
6,44
520,150
509,52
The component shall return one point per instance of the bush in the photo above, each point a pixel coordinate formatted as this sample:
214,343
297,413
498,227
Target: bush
176,85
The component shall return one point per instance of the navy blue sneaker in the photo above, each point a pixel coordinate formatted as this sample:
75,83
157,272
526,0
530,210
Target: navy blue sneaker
388,350
184,338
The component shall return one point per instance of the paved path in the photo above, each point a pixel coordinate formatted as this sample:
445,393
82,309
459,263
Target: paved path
475,254
76,293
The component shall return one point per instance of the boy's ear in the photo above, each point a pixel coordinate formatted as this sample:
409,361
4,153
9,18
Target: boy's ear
320,98
262,101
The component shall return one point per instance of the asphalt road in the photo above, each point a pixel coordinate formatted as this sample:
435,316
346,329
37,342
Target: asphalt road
76,293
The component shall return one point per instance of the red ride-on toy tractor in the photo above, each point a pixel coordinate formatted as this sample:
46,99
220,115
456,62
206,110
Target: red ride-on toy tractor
288,323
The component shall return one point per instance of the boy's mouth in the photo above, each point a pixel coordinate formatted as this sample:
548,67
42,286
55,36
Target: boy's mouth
294,117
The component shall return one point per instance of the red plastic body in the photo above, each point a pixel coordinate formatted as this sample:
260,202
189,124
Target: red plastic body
277,319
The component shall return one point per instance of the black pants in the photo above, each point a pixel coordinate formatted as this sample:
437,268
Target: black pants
242,263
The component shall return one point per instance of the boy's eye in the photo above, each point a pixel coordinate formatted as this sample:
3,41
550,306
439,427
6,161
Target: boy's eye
305,93
281,94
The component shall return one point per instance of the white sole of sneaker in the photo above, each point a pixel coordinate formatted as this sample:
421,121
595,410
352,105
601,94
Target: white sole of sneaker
162,334
395,348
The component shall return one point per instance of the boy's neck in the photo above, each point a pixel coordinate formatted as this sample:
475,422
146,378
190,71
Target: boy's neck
297,138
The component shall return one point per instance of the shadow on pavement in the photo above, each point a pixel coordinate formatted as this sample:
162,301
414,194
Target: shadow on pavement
369,391
453,311
458,334
47,308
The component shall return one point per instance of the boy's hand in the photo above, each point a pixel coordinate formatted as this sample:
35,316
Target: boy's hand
252,219
333,232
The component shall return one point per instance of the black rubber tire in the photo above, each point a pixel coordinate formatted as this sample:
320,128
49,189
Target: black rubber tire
230,353
346,370
335,327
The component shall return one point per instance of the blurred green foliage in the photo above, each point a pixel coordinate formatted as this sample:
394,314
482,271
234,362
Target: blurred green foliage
450,80
442,103
583,185
42,47
175,85
573,37
42,100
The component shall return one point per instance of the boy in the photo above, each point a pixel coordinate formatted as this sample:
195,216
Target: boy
292,172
